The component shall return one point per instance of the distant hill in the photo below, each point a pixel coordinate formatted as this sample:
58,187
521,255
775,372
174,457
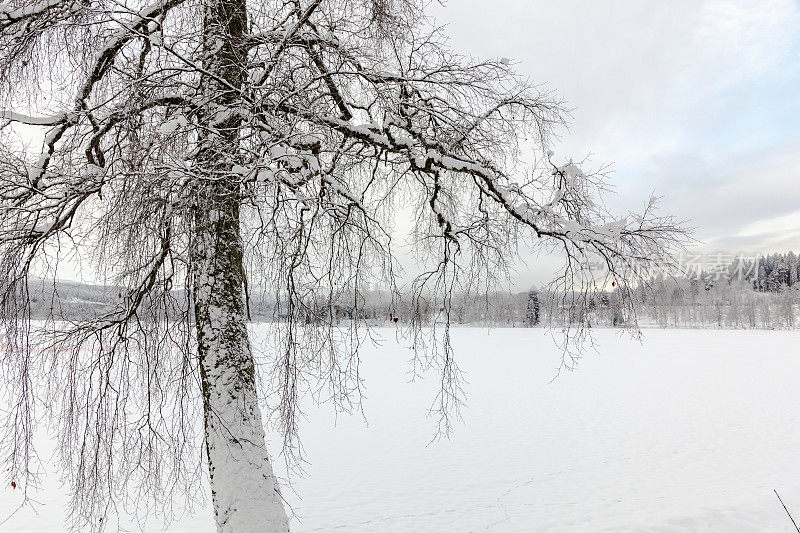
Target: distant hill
78,301
69,299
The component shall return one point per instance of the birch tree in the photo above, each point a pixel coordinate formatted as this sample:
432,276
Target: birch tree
189,152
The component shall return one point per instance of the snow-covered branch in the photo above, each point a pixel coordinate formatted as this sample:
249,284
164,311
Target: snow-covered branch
212,150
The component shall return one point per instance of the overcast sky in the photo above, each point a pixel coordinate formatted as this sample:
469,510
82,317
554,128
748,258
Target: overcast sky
696,100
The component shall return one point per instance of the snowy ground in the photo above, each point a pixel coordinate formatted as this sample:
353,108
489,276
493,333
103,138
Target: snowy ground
690,432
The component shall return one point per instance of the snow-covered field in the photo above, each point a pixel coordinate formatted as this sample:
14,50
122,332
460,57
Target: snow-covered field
690,432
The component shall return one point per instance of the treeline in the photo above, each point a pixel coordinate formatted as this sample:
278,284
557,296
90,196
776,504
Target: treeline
775,272
683,303
768,299
721,303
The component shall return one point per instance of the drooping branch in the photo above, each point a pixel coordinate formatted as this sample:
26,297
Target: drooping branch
317,123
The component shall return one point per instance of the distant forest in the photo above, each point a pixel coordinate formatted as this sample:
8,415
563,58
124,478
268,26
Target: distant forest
742,294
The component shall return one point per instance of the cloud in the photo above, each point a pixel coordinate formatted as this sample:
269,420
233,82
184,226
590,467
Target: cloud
782,224
639,73
745,37
694,99
733,201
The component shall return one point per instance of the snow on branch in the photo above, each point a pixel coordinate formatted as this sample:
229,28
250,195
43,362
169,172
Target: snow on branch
33,121
10,15
294,134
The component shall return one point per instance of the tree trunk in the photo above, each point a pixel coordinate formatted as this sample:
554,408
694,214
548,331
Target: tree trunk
243,487
244,490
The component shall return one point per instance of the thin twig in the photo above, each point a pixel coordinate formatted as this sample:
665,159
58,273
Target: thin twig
787,510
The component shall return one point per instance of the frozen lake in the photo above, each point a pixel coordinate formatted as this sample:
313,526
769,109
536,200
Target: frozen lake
691,431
